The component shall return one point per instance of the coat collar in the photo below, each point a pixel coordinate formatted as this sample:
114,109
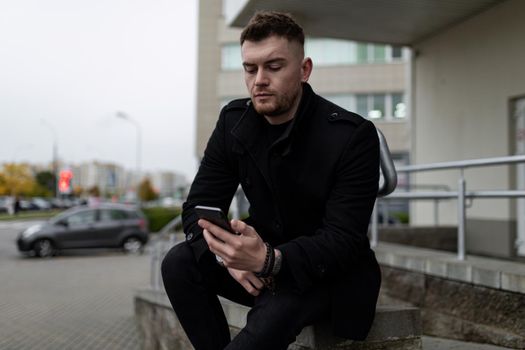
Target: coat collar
249,130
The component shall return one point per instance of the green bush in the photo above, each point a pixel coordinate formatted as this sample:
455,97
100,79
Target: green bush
158,217
402,217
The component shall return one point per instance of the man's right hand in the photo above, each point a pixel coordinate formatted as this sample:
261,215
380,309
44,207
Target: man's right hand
248,280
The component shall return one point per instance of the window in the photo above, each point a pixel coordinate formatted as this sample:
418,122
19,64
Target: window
342,100
82,218
362,105
397,53
398,106
378,53
329,52
377,109
112,215
389,106
326,52
362,53
231,57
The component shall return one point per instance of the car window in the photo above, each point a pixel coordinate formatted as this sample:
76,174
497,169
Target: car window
82,218
112,215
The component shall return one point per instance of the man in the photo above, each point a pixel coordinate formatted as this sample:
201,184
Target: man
310,171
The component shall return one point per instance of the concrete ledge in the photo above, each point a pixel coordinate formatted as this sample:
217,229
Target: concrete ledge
486,272
394,327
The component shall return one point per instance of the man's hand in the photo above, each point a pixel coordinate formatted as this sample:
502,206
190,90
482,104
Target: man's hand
248,280
245,251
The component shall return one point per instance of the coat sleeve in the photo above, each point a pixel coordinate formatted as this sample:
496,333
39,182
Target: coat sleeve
342,238
214,185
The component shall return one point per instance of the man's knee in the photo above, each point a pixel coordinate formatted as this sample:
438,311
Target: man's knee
177,262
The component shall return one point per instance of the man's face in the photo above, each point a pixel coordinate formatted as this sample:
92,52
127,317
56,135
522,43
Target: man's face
273,72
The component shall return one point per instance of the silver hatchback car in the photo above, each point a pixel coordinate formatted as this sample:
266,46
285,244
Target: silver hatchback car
103,226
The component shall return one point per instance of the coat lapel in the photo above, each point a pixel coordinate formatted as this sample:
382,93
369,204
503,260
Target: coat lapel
250,133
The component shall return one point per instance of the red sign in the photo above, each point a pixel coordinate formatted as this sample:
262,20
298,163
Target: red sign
64,181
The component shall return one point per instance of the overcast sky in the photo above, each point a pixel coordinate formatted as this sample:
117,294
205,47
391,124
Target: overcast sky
70,65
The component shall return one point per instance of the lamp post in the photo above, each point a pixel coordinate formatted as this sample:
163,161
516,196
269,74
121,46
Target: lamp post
55,155
125,116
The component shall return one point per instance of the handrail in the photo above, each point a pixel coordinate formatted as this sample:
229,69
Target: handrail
461,194
387,168
159,250
462,164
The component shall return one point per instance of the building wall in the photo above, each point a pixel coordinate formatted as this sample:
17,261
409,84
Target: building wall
209,55
216,86
464,78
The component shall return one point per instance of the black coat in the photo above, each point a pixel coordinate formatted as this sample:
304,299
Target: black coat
311,196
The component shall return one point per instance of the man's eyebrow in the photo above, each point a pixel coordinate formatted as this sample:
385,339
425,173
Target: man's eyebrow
273,60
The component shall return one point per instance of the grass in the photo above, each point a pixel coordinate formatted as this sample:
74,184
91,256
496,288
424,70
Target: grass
34,214
159,216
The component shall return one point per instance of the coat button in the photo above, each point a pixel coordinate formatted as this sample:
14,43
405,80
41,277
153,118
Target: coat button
189,236
278,225
333,116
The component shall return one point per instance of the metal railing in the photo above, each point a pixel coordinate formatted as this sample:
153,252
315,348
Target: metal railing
164,240
461,194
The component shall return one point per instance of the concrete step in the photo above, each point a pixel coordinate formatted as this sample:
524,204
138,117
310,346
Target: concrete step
394,327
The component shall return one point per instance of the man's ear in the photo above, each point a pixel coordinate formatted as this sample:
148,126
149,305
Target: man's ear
306,69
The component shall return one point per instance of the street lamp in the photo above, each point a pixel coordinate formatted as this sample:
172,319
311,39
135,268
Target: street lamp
55,155
124,116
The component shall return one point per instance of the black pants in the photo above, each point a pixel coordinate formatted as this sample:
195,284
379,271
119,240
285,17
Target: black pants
273,322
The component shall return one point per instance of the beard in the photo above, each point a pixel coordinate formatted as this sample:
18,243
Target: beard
275,105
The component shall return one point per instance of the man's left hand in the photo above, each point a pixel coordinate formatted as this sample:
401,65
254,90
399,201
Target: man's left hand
245,251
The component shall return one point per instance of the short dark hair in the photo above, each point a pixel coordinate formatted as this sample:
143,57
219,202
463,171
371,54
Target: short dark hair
264,24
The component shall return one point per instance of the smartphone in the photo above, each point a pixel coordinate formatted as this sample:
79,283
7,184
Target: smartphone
215,216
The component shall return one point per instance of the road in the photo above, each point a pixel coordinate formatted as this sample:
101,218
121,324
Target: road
79,300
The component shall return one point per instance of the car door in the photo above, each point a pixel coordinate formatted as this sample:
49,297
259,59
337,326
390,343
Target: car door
109,227
78,229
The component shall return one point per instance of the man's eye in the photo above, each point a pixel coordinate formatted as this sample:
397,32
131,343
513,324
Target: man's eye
250,70
274,67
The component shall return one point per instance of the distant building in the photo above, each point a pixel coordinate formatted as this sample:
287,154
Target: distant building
169,184
108,177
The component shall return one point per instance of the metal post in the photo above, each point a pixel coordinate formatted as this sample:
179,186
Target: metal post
436,212
386,213
374,234
124,116
461,216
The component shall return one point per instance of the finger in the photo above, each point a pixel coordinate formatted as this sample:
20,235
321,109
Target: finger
242,228
216,231
250,288
215,245
256,282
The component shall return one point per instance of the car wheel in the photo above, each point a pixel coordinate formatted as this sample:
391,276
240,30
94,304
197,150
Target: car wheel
133,245
44,248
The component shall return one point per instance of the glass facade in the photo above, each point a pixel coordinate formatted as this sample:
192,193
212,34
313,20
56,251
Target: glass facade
231,56
385,106
325,52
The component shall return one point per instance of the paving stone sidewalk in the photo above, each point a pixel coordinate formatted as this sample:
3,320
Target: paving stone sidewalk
83,300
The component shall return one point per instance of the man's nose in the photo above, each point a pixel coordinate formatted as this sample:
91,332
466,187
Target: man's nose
261,79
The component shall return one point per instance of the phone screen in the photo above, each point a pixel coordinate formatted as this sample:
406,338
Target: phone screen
214,215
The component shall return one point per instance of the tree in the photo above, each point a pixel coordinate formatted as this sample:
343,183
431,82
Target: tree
46,179
94,191
146,191
16,179
78,191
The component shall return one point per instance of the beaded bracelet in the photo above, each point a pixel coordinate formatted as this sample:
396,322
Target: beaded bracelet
269,260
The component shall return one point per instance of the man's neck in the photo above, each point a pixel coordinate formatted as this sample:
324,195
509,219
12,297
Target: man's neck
289,115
